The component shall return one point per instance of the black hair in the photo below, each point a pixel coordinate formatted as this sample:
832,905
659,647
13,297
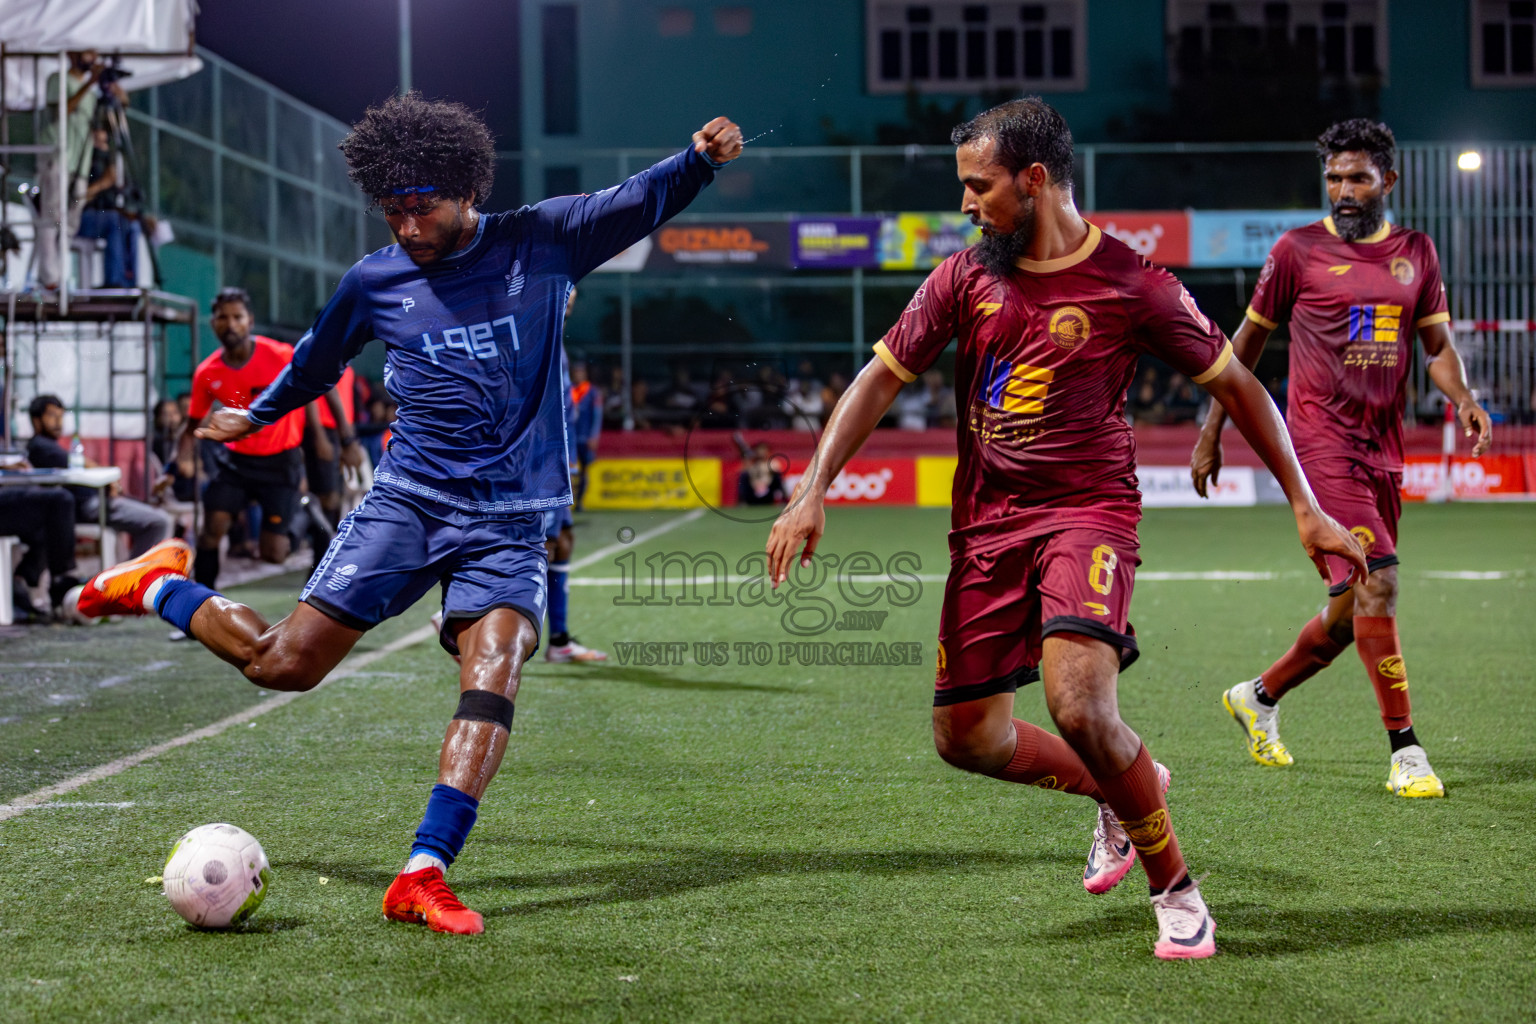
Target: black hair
42,403
1026,131
406,142
231,293
1359,135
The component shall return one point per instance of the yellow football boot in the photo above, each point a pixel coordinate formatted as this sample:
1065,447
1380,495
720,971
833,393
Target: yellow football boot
1260,724
1411,774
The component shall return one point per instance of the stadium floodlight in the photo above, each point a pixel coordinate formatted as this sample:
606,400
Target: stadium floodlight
1471,160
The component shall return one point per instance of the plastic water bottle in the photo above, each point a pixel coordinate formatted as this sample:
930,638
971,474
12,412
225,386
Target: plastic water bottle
77,454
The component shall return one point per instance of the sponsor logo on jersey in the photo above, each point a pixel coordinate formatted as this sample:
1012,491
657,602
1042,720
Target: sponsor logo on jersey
917,299
1365,536
1402,270
1015,387
341,579
1340,270
988,308
407,303
1379,323
1194,309
1069,327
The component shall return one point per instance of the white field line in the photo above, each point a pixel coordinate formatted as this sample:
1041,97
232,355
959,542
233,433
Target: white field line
639,538
350,667
154,666
1209,576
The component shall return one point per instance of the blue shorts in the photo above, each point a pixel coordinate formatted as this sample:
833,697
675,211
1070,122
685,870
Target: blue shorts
556,519
396,546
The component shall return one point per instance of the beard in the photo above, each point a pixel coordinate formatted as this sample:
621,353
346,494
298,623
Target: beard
997,253
1354,226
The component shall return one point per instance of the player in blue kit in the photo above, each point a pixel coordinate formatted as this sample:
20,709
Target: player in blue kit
471,308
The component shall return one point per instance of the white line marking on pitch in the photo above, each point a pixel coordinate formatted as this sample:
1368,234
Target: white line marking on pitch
351,666
72,804
154,666
639,538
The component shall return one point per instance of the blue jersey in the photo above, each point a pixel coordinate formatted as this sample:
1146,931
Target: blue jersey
473,342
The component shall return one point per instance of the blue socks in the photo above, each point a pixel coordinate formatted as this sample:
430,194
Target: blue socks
559,597
450,815
179,599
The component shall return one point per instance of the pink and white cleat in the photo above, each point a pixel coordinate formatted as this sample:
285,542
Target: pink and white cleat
1111,856
1185,928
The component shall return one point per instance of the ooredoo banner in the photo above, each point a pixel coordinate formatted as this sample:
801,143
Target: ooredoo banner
867,482
1162,236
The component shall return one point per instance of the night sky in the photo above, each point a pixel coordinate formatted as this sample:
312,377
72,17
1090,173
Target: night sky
342,55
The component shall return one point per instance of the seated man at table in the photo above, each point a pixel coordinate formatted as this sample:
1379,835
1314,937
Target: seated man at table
43,519
145,525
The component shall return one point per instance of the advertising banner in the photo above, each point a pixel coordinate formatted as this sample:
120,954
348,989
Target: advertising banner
1162,236
1171,487
867,482
653,483
921,241
1240,238
1424,475
936,480
835,243
708,244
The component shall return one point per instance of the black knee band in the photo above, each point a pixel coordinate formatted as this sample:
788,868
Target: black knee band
484,706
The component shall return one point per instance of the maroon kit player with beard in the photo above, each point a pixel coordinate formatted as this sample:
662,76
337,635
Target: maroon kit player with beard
1052,316
1354,288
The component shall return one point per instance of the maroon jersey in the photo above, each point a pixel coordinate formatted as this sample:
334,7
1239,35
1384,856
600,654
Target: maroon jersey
1350,305
1041,373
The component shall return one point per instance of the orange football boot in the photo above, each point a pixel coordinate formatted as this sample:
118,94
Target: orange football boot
422,897
120,589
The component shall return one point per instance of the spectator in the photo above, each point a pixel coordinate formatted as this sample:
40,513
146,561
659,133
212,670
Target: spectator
759,482
1146,404
168,421
940,399
912,407
613,399
43,519
586,424
803,404
103,217
640,408
831,392
1182,403
145,525
78,89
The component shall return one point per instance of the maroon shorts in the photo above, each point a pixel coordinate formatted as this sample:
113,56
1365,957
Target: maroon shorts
1367,502
1000,606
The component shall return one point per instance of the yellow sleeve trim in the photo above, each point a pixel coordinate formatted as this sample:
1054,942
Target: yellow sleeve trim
1214,370
1261,321
893,364
1433,318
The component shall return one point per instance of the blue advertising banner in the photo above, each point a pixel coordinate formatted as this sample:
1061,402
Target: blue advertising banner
835,243
1240,238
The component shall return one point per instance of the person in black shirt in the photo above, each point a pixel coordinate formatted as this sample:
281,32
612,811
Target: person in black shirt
43,519
105,216
145,525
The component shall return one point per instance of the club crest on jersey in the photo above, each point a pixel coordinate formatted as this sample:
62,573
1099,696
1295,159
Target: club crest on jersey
1402,270
1365,536
515,279
1069,327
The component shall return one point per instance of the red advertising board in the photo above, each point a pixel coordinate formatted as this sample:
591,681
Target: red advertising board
1470,478
867,482
1162,236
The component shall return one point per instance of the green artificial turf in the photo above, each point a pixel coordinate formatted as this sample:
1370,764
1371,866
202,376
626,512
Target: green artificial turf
780,843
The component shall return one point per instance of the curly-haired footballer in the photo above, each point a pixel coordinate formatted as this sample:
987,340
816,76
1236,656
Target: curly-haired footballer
470,307
1355,289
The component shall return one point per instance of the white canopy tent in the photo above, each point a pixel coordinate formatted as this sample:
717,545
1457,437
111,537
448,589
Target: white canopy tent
153,37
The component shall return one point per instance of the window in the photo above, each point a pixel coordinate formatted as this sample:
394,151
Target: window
958,46
1504,43
674,22
733,21
1342,39
560,80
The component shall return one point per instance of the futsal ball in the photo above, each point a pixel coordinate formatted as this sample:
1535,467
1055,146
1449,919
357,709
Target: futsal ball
216,876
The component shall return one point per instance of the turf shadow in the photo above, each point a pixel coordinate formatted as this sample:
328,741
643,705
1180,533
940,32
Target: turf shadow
1255,931
611,673
672,871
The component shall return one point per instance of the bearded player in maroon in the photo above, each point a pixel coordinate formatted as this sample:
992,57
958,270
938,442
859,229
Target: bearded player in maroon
1052,316
1354,289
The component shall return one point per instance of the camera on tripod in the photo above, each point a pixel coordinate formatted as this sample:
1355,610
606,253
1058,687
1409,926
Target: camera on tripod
112,71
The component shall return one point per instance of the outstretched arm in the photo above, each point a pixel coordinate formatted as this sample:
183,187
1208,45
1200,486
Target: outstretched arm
595,228
1205,461
1450,377
857,413
1251,408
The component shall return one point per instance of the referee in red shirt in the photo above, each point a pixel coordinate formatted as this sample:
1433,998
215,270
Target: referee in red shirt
266,467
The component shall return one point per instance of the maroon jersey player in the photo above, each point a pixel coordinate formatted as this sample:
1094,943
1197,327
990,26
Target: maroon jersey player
1355,289
1051,315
